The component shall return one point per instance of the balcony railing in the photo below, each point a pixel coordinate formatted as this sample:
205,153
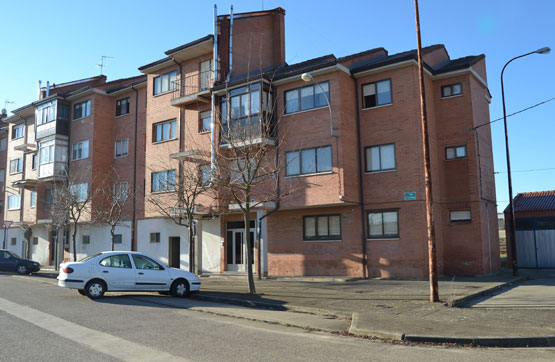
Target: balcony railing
247,130
190,86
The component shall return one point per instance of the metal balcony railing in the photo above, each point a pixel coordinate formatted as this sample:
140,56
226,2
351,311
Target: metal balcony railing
193,84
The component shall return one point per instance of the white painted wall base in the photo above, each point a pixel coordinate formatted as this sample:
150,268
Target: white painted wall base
211,245
167,229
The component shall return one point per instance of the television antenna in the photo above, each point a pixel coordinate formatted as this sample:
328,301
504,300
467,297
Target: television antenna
101,64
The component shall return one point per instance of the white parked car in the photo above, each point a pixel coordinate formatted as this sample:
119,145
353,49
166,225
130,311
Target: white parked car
125,271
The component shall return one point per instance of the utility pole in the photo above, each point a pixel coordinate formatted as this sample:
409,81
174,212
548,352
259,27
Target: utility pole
432,258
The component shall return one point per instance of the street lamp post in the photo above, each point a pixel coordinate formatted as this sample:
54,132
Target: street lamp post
307,77
512,227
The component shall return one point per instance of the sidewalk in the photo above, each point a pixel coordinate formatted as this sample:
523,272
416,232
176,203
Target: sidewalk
385,308
399,309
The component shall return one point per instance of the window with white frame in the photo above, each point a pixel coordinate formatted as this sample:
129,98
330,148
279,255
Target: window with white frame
45,113
3,143
164,131
205,175
455,152
16,166
121,190
165,82
376,94
80,150
79,192
121,148
163,181
122,106
17,131
460,216
34,160
50,196
205,121
308,161
154,237
33,201
2,175
82,110
46,152
241,172
451,90
14,202
305,98
322,227
383,224
380,158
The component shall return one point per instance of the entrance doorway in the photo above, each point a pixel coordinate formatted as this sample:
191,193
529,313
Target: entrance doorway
174,252
53,243
236,247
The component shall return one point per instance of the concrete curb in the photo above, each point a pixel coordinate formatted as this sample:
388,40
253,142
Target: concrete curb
354,330
468,298
271,306
512,342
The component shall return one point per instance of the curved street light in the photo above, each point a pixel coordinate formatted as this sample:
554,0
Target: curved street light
512,227
307,77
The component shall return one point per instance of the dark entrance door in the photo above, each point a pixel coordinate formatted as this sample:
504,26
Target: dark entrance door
52,247
174,249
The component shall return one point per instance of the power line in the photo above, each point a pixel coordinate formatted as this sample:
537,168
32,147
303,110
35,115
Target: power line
517,112
531,170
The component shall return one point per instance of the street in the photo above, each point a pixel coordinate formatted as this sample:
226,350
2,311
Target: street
42,322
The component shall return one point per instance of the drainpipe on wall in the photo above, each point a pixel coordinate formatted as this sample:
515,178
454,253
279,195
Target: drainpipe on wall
230,43
361,188
134,222
213,123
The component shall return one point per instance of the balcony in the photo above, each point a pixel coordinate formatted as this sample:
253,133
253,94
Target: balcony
53,159
193,90
52,118
245,131
53,171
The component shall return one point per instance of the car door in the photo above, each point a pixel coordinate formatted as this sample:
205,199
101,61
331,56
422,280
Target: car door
149,274
118,272
7,261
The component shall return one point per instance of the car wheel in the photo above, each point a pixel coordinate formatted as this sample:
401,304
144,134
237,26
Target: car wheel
180,288
22,269
95,289
81,291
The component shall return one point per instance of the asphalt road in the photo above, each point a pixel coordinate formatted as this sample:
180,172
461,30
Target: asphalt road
42,322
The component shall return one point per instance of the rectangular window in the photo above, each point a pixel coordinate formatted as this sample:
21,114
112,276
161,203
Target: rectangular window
79,192
82,110
35,240
16,165
376,93
17,131
451,90
122,106
163,181
34,162
46,152
455,152
14,202
14,241
205,121
165,82
322,227
309,97
33,199
121,190
121,148
1,206
49,196
164,131
3,143
460,217
154,237
2,175
308,161
80,150
86,239
380,158
118,238
205,175
383,224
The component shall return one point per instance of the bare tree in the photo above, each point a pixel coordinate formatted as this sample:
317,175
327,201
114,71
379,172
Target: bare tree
108,206
180,206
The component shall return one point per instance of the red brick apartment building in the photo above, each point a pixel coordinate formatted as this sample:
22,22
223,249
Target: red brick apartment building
83,135
362,209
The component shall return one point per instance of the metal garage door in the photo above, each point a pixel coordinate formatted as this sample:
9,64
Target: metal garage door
535,241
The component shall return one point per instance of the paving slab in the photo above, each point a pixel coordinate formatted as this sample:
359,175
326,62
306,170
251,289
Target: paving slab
531,294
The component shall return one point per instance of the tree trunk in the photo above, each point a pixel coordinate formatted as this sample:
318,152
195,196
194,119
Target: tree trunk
246,217
112,237
73,236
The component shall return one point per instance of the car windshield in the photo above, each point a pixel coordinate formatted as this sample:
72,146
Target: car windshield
14,254
90,257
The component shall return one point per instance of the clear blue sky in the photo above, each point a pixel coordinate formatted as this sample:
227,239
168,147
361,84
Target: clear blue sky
63,40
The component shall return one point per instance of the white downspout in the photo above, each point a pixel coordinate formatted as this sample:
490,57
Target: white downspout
230,43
